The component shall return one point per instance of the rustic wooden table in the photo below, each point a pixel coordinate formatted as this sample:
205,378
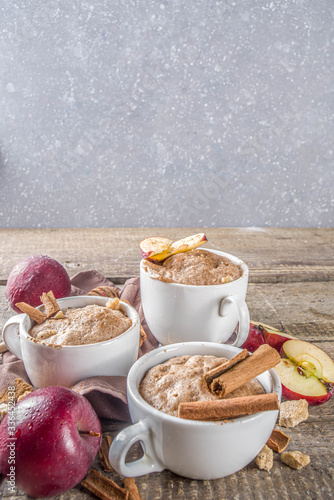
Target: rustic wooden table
291,287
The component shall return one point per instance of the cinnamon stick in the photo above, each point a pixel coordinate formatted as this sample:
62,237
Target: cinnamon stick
219,409
104,453
33,313
130,485
50,304
278,441
103,487
142,336
264,358
219,370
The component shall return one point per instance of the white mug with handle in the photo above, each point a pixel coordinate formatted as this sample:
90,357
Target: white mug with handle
176,312
194,449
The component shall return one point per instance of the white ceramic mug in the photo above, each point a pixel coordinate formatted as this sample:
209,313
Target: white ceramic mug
183,313
193,449
66,365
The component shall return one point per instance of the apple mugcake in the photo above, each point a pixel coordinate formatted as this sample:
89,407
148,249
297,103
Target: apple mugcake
180,379
194,267
84,325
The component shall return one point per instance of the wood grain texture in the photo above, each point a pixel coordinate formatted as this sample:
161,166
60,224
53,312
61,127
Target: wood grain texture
291,288
272,254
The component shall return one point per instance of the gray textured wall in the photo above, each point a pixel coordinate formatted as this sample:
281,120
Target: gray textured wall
166,113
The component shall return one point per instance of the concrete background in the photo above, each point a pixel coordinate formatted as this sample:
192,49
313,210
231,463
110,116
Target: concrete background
166,113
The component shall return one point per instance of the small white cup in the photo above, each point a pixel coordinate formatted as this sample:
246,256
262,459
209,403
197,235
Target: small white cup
183,313
193,449
66,365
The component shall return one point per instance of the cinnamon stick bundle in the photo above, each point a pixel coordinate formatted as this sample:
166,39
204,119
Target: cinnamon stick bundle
219,409
219,370
264,358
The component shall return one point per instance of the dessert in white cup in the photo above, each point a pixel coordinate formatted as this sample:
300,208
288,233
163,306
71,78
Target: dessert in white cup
48,364
193,449
176,312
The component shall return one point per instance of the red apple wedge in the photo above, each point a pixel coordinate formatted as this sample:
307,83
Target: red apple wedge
306,373
159,249
275,338
259,334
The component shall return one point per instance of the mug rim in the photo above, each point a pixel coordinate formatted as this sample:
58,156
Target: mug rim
150,411
233,258
100,300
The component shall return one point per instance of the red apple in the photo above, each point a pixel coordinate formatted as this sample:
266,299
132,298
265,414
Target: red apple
255,337
306,373
34,275
48,442
159,249
275,338
259,334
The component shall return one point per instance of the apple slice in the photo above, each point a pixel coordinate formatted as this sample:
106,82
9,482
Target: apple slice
259,334
299,384
154,246
310,358
150,247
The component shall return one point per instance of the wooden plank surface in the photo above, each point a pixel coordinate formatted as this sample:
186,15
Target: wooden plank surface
272,254
291,287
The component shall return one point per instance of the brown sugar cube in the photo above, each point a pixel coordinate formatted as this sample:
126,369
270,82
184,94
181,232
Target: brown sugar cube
59,315
265,458
293,412
113,303
295,459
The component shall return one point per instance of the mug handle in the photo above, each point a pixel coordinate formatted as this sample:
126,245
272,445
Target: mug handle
11,335
149,462
243,316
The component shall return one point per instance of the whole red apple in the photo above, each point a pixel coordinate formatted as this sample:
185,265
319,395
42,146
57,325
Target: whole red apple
34,275
53,442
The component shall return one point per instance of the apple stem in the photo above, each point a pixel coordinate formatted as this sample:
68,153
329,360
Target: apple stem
90,433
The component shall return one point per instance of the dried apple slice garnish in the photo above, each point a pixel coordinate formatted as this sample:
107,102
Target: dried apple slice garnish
149,247
154,246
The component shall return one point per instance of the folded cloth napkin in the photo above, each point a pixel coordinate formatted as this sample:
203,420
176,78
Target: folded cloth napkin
106,394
